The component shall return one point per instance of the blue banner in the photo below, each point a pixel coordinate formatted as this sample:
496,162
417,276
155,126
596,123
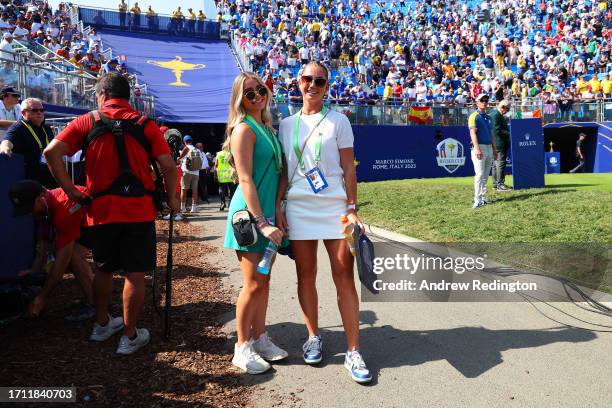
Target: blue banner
17,233
399,152
527,144
190,79
553,162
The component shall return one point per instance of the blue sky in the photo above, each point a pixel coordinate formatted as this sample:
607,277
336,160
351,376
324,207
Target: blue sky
160,6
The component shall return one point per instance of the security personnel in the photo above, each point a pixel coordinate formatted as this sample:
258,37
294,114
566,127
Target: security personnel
223,170
29,137
122,7
135,10
151,17
122,213
483,149
201,20
192,20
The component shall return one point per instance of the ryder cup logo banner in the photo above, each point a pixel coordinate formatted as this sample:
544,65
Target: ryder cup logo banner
451,154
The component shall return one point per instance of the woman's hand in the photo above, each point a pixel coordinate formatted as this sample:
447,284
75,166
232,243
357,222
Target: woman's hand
272,233
281,221
354,219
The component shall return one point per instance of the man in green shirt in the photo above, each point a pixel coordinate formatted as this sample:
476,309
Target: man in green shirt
501,134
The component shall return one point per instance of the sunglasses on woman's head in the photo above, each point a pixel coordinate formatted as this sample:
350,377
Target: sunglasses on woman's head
251,94
320,82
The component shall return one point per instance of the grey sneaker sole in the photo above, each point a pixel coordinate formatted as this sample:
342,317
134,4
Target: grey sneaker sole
106,336
251,371
313,360
274,358
127,352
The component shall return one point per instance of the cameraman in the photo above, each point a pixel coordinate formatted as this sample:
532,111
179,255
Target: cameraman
123,230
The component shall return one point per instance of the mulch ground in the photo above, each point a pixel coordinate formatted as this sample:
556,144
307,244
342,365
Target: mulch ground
193,368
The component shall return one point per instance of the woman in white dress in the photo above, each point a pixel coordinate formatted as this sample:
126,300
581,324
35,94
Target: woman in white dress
321,187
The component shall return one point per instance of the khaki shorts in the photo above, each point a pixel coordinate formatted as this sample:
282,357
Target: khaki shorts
189,182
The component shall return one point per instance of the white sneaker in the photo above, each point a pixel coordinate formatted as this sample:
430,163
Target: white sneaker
178,217
101,333
268,350
127,346
248,360
194,209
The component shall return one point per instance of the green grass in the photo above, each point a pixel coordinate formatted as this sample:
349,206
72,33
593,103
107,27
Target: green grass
571,208
574,208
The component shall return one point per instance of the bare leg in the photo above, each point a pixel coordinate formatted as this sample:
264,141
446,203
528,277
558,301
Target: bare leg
102,288
306,264
253,291
133,298
82,271
348,302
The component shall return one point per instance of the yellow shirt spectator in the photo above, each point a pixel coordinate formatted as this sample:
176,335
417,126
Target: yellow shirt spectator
507,74
581,85
321,9
595,84
192,15
602,6
151,12
606,86
316,27
135,9
201,16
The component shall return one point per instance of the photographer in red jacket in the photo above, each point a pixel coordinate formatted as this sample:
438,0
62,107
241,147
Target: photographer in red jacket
118,145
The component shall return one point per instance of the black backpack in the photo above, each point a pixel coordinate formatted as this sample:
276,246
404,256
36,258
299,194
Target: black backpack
126,184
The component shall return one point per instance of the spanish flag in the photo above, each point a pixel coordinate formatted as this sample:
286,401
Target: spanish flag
420,114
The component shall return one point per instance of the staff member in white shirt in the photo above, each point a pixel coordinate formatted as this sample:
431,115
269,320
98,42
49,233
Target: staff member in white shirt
10,111
321,186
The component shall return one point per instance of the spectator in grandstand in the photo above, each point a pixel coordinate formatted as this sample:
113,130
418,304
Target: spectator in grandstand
89,63
62,227
318,140
41,84
110,66
99,20
28,137
580,154
501,134
20,32
6,47
191,21
483,149
10,110
8,75
123,231
256,157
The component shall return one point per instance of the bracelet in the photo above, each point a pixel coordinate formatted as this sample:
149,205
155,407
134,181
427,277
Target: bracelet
261,224
258,218
351,207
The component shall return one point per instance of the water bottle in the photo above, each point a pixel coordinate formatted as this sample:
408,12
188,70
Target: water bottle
347,231
265,264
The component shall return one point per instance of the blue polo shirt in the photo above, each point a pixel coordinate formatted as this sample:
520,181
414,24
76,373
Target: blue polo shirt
482,123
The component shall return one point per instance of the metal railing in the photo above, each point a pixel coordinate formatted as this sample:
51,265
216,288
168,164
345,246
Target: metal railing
57,87
397,112
242,57
159,23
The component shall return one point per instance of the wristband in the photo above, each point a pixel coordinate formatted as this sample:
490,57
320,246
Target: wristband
261,224
351,207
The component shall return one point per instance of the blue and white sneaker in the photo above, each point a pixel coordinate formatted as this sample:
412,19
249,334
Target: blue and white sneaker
486,202
477,204
313,350
357,367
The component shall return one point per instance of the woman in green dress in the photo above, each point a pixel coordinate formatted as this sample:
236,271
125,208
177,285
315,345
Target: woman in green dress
256,157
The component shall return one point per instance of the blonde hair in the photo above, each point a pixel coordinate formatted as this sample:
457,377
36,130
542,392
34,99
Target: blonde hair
237,113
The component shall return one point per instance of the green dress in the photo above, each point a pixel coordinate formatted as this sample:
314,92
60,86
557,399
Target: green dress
267,156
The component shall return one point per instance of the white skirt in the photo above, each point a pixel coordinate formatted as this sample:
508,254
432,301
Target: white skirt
316,216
